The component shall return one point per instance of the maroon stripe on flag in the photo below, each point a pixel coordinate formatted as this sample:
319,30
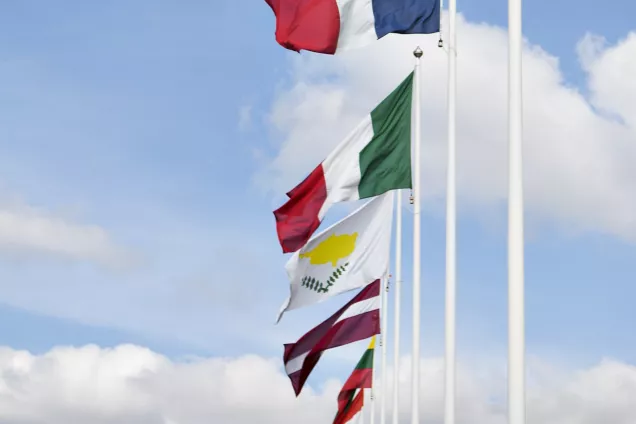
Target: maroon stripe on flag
312,25
295,381
347,331
298,219
309,340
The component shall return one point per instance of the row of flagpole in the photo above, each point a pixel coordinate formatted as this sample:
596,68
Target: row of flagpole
516,315
516,337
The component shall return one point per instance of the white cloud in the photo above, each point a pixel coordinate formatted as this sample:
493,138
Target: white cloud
25,230
611,71
134,385
578,156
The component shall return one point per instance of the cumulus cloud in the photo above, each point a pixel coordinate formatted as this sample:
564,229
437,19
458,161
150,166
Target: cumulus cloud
25,230
579,149
134,385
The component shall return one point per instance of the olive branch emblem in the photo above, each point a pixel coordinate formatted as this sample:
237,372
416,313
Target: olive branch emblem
318,286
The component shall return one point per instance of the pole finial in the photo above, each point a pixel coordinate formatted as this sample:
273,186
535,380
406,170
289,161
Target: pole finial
418,52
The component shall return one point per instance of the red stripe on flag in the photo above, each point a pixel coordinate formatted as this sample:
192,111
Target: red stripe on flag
359,379
297,219
312,25
347,414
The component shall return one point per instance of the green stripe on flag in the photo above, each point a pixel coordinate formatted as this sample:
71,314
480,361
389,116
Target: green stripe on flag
366,362
385,163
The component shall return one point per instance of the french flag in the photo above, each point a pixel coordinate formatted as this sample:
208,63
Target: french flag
332,26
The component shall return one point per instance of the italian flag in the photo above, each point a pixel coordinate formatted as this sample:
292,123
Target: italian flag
351,397
373,159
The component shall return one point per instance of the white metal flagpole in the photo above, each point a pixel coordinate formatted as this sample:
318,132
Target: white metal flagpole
372,391
396,312
451,219
415,369
363,409
516,325
372,406
383,340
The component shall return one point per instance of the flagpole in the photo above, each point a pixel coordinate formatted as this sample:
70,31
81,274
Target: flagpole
415,368
373,379
363,409
383,341
516,337
451,220
372,400
396,313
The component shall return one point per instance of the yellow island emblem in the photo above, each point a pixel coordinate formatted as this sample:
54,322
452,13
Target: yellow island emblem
332,249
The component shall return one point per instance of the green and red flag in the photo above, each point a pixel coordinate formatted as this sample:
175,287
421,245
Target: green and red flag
351,397
373,159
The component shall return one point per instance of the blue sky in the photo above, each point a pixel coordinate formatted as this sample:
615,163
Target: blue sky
152,120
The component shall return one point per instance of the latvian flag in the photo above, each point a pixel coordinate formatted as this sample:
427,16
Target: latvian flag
333,26
351,396
357,320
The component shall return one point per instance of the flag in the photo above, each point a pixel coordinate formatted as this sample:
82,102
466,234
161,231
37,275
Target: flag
373,159
351,396
333,26
359,319
348,255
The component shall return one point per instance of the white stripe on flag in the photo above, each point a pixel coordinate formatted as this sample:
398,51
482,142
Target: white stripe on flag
295,364
357,24
360,308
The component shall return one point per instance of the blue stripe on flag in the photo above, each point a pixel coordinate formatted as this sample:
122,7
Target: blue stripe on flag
406,16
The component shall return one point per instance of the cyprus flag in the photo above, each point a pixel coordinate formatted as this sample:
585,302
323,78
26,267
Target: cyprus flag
348,255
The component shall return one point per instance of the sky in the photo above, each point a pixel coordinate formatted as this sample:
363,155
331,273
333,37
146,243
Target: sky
144,146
